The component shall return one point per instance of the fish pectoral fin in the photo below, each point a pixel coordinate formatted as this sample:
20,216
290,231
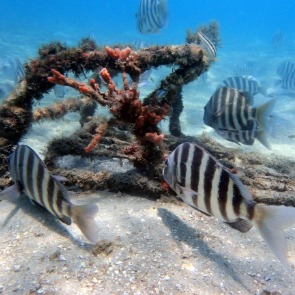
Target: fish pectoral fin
60,178
187,192
189,197
241,225
11,193
65,219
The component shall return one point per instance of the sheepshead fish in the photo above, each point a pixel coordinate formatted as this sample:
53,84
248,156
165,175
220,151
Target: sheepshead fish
151,16
230,111
244,83
203,183
285,68
33,179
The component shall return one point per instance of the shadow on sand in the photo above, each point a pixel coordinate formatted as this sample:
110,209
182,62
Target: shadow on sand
181,232
41,215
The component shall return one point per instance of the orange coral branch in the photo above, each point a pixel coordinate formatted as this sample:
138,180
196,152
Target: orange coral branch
100,130
91,90
124,103
117,53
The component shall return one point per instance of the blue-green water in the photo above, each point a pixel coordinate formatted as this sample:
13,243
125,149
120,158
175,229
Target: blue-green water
241,22
247,29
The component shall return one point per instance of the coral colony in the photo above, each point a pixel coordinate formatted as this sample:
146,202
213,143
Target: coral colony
123,103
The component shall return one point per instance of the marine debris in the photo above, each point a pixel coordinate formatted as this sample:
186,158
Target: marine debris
55,61
132,134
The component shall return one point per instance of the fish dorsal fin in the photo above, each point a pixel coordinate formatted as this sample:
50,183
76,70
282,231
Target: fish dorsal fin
241,225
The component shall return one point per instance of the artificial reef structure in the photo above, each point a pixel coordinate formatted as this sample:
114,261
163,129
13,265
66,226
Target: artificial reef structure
132,133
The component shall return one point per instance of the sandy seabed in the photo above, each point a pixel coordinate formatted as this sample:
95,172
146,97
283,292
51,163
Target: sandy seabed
145,247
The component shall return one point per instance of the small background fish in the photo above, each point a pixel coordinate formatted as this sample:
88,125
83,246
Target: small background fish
151,16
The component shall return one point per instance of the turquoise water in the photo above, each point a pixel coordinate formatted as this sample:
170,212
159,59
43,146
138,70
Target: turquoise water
246,30
241,22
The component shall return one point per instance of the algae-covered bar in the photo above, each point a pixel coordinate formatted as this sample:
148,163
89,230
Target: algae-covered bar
132,133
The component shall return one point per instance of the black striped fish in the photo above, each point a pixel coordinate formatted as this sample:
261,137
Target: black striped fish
33,179
208,45
203,183
286,67
230,111
288,82
151,16
246,68
244,83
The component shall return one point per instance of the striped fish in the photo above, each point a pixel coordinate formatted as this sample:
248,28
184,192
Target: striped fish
229,110
286,67
246,68
203,183
288,82
33,179
151,16
208,45
244,83
246,137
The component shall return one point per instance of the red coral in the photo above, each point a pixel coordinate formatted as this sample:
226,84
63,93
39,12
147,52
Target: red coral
105,75
97,137
124,53
123,103
117,53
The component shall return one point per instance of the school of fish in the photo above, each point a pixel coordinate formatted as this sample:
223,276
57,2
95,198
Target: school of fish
194,174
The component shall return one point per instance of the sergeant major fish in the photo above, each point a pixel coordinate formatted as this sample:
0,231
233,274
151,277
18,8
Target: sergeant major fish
230,113
288,82
203,183
244,83
285,67
33,179
151,16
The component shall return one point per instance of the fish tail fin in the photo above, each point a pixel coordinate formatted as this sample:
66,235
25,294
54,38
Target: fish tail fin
263,118
271,222
84,217
264,112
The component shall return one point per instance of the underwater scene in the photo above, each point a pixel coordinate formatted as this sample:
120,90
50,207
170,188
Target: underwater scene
147,147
